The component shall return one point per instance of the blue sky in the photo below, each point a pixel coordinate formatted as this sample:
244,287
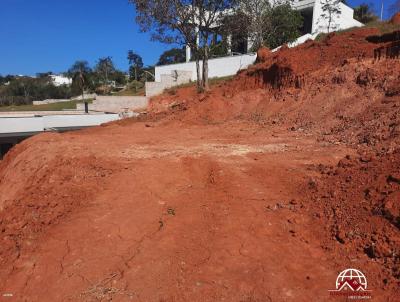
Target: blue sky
49,35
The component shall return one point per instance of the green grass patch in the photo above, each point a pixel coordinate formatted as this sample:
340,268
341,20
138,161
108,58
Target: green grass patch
130,92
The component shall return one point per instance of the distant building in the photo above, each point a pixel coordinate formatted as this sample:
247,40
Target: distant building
59,80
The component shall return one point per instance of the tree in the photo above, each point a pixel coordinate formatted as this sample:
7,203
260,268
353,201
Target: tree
183,22
147,74
282,24
365,13
23,90
79,72
264,22
135,64
248,20
172,56
119,77
105,67
330,10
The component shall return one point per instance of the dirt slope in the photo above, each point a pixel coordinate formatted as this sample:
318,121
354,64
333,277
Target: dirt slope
263,189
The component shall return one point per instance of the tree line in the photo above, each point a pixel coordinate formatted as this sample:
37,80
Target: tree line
22,90
103,78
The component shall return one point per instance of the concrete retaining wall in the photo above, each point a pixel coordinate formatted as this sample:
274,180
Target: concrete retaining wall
50,101
175,78
11,125
87,96
116,103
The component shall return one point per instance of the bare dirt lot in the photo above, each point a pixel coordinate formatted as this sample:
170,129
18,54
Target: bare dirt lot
263,189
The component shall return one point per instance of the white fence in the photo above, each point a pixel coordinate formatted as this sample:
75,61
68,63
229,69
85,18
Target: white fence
219,67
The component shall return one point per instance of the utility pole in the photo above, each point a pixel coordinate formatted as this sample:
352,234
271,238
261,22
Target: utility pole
382,11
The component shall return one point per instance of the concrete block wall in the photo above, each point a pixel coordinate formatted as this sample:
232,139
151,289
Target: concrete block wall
87,96
116,103
50,101
175,78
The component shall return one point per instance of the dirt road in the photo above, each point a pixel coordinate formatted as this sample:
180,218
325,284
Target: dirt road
201,214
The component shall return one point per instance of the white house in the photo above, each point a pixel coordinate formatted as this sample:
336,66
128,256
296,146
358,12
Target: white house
59,80
315,22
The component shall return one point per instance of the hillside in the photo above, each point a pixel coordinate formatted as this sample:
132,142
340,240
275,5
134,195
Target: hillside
263,189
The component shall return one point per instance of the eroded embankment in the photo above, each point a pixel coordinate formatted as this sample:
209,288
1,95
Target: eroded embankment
345,89
335,87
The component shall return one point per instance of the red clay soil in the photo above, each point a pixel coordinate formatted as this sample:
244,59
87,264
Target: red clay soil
395,19
263,189
263,54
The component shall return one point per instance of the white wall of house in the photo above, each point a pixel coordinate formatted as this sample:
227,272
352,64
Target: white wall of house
302,4
342,21
59,80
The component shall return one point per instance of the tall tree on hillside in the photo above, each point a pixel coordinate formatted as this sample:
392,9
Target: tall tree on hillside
135,64
264,22
183,22
282,24
172,56
248,19
79,72
330,11
365,13
105,67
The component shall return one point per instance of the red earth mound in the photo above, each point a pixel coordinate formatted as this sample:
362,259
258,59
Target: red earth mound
358,202
262,189
262,54
395,19
311,87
